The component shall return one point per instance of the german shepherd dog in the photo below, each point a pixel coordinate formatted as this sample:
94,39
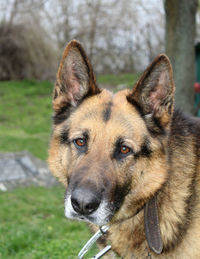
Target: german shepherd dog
128,160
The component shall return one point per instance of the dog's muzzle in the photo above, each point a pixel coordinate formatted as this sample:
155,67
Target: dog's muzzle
87,205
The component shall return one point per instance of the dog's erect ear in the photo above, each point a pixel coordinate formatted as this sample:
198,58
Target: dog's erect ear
75,78
153,93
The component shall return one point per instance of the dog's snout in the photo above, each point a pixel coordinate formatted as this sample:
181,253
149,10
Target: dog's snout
84,201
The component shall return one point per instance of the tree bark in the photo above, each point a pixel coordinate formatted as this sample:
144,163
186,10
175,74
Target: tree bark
180,34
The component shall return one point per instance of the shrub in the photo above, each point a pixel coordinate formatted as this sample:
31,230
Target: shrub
25,53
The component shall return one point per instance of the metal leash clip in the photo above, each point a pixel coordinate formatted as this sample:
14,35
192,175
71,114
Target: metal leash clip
91,241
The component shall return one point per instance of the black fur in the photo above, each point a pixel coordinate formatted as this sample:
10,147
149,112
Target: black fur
107,111
64,138
145,150
62,114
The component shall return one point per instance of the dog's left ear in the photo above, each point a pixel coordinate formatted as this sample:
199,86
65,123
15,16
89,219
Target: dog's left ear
75,79
153,93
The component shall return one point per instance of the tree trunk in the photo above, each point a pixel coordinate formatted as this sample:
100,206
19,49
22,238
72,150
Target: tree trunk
180,33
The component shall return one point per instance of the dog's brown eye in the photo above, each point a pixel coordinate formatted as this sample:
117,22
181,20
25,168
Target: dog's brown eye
80,142
125,150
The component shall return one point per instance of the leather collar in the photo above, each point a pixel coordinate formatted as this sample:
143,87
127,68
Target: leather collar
152,226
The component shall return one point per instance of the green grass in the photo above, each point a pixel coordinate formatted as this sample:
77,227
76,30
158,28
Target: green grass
25,116
33,226
126,79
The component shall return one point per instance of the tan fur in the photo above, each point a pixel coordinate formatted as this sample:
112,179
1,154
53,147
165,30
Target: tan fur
172,170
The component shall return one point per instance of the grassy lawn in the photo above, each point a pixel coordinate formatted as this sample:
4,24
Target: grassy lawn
121,79
25,116
32,225
32,222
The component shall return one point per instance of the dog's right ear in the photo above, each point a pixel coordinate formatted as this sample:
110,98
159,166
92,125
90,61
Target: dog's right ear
75,81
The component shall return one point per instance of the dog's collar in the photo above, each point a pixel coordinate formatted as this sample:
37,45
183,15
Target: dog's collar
152,231
102,230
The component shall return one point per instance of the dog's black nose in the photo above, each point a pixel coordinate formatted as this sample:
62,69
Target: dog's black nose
84,201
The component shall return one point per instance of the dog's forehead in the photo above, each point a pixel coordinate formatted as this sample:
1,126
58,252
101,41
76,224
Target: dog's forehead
109,112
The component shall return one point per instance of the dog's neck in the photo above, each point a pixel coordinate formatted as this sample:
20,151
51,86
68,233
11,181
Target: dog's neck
175,219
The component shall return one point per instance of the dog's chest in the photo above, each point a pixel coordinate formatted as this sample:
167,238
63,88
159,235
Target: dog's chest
129,236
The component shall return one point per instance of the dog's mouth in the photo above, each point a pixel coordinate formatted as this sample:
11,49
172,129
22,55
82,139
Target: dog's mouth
100,216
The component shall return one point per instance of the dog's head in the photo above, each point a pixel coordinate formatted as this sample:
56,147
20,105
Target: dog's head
110,150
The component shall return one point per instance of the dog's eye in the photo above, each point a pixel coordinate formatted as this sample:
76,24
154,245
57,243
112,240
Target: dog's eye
80,142
125,150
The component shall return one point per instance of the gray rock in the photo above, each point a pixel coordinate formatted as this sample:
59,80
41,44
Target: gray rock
27,164
10,169
24,169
